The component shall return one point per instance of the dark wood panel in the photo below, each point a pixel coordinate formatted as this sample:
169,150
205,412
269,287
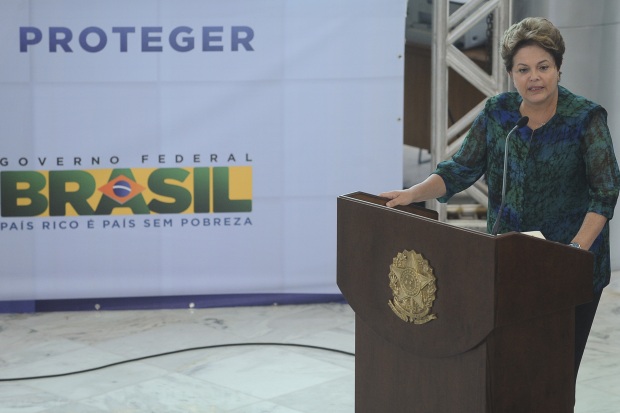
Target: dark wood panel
462,96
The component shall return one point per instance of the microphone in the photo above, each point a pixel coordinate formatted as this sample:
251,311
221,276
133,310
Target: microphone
521,123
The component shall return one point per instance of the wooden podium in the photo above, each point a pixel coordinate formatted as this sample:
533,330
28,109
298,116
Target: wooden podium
503,337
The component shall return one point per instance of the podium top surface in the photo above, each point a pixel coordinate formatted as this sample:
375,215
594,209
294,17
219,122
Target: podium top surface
377,200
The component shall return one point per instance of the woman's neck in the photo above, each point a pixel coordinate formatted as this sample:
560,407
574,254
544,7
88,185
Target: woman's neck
539,114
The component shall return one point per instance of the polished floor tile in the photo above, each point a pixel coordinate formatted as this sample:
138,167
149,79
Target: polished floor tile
264,370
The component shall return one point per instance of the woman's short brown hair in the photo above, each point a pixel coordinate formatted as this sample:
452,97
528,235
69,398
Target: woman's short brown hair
532,31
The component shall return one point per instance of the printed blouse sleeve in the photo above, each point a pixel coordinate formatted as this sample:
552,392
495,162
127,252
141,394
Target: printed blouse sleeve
469,163
601,165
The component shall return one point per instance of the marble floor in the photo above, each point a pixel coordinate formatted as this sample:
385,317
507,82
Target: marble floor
260,378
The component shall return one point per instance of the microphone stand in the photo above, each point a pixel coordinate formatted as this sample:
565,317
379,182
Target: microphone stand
522,122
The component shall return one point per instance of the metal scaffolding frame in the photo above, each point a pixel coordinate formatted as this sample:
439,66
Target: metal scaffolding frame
447,29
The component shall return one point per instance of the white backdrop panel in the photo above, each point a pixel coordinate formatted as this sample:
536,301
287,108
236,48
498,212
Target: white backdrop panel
305,94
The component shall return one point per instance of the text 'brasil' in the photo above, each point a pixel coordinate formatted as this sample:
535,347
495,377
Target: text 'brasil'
127,191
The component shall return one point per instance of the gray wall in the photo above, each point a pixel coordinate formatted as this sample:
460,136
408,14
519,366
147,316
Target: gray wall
591,31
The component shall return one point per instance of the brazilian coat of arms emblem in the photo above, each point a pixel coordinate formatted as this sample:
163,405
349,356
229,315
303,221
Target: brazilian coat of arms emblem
414,286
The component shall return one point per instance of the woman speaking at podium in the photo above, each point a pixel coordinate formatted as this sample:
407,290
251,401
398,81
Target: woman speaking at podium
562,174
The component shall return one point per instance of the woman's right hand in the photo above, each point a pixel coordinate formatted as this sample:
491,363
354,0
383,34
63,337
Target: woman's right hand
399,197
431,188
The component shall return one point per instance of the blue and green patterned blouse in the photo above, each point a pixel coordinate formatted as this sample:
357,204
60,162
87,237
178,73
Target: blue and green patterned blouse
556,174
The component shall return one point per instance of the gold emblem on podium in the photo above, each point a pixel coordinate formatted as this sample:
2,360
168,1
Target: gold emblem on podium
413,284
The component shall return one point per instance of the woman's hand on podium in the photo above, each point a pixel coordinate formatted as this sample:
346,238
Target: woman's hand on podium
431,188
398,197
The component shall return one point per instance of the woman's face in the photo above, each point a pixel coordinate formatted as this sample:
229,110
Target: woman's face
535,75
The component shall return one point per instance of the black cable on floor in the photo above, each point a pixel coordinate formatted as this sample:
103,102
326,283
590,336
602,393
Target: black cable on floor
50,376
